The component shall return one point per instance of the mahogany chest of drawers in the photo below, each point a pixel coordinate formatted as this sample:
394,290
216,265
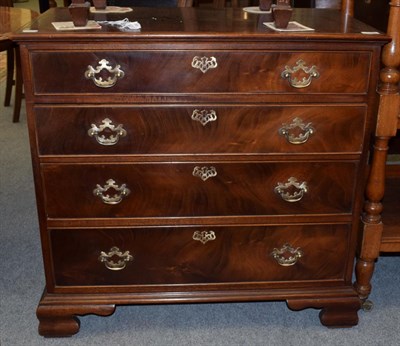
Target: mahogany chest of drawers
205,158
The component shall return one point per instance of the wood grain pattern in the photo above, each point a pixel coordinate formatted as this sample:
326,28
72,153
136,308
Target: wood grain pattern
156,160
170,256
170,130
171,190
256,71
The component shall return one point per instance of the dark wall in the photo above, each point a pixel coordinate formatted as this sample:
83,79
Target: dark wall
372,12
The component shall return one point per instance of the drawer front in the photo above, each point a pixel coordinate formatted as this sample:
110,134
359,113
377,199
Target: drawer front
167,71
198,189
199,255
199,129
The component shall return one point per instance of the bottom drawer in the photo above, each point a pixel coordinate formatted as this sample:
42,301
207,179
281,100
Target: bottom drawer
184,255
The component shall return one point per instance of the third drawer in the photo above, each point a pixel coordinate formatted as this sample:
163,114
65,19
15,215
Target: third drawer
198,189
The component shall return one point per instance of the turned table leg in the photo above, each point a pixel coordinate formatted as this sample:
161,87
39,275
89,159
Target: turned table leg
372,228
386,127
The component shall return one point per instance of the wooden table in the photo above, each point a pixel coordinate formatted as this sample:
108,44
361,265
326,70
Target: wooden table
11,19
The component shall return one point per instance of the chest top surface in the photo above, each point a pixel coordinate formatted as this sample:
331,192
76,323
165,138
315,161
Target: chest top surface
203,23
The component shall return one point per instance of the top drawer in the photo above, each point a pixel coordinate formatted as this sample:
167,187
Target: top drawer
165,71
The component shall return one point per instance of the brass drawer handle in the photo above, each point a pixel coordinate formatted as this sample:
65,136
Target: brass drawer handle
204,63
121,192
304,81
287,255
107,128
204,172
115,74
292,191
204,236
297,132
204,116
115,254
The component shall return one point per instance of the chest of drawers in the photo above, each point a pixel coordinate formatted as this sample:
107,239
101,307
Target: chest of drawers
195,162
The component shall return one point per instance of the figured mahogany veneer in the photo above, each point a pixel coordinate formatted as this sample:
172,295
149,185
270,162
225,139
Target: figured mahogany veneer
167,190
222,162
172,130
172,72
170,256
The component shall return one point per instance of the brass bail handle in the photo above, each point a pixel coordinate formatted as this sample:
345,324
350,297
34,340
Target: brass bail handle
103,192
292,74
115,259
114,73
297,132
287,255
291,191
107,133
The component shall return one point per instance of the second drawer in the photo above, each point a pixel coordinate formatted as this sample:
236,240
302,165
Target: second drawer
199,129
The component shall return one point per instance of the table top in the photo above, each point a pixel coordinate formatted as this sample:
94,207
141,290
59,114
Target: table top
13,18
